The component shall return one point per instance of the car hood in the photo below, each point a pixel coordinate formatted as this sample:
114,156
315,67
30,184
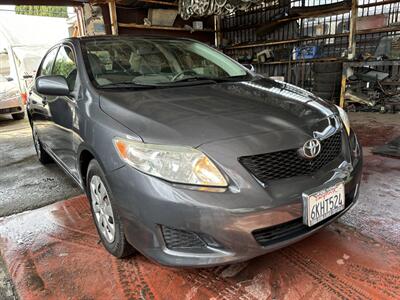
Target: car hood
200,114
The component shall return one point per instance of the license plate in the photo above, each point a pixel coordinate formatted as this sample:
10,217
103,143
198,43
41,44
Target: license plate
323,204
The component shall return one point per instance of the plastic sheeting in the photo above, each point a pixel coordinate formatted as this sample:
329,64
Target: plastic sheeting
32,30
28,38
53,253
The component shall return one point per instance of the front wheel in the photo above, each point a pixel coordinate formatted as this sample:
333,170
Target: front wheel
106,217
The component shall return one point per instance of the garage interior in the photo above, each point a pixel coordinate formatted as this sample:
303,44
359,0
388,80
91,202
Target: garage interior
346,52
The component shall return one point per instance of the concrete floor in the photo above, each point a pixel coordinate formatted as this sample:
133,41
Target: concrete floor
24,183
361,250
377,213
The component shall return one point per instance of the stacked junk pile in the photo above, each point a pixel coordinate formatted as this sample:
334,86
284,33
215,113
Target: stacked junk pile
374,83
203,8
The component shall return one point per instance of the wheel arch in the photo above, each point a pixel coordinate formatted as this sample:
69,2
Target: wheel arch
85,155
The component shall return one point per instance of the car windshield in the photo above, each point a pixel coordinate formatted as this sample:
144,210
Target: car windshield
151,62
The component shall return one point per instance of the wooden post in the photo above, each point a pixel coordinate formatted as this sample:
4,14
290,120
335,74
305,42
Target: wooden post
81,21
353,30
343,84
351,50
218,33
113,17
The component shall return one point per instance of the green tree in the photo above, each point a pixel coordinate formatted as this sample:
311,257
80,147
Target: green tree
39,10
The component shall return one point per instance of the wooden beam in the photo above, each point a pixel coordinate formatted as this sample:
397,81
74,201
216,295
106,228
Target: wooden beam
379,30
42,2
217,29
274,43
301,61
373,4
141,26
113,17
372,63
351,49
81,21
313,38
320,10
106,17
296,13
343,86
160,2
353,30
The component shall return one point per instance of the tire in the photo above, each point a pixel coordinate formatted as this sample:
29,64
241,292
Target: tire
18,116
328,67
43,156
105,216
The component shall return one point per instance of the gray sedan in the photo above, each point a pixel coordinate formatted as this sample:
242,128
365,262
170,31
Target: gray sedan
185,155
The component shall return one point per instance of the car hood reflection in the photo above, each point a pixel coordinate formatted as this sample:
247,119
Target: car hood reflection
201,114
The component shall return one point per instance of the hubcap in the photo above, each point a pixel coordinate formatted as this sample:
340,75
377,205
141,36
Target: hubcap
102,208
36,141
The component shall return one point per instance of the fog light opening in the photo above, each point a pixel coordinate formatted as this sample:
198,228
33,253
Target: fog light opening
176,239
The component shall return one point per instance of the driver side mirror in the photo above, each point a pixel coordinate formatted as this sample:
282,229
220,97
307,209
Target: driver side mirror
52,86
250,67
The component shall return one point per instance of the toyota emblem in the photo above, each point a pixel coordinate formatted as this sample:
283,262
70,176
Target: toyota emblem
311,148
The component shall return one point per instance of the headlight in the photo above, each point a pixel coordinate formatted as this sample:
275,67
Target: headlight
173,163
345,118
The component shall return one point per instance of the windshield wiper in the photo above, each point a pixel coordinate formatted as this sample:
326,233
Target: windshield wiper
194,78
233,78
212,79
128,84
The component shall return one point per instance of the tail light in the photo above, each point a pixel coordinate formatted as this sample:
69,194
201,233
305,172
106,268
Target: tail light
24,97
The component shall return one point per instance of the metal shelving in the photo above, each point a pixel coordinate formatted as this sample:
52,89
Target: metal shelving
330,33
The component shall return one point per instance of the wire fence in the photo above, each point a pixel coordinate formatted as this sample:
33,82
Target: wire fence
291,44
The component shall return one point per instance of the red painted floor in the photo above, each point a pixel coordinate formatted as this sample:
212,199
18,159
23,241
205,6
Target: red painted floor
53,253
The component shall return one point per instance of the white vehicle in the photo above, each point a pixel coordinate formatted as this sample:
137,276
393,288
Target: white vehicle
10,98
24,46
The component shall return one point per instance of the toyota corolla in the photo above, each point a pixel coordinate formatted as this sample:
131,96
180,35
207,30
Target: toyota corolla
185,155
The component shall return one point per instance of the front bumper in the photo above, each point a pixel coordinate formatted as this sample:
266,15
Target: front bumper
11,105
229,217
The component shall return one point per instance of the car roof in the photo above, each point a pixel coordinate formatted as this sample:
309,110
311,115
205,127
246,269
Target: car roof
116,37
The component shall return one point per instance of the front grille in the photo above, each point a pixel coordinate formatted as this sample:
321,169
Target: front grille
288,163
179,239
281,232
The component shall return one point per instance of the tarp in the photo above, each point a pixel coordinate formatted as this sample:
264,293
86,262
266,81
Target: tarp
24,30
27,38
